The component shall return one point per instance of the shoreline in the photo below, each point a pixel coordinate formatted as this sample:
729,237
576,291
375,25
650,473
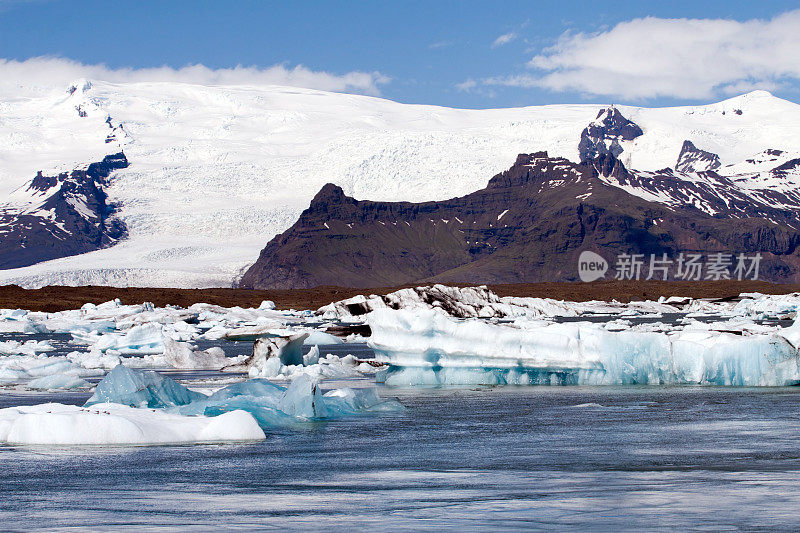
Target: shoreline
59,298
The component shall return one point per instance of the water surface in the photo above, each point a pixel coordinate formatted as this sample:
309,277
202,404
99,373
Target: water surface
481,458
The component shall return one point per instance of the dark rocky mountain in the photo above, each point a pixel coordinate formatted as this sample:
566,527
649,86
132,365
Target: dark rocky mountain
530,224
603,135
693,159
62,215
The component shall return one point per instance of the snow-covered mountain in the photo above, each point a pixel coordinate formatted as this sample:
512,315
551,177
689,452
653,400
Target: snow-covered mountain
215,172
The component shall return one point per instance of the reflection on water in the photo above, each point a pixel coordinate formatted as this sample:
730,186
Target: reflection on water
609,458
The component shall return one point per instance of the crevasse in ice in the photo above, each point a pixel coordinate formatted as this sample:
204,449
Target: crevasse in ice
428,348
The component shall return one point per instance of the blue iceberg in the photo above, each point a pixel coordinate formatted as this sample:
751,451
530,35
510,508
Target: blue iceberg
141,388
271,405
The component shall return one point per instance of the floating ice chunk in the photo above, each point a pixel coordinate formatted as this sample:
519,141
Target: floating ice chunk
78,325
143,339
259,397
21,368
95,359
286,348
267,304
58,382
348,401
328,367
113,424
312,357
461,302
321,338
265,328
273,405
138,388
428,348
10,375
266,415
181,355
261,388
303,399
26,348
21,326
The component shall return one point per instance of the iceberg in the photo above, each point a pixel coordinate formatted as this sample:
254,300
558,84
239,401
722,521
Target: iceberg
272,351
24,348
58,382
24,368
346,401
303,399
120,425
269,404
139,340
258,397
275,406
428,348
265,328
480,302
181,355
320,337
141,388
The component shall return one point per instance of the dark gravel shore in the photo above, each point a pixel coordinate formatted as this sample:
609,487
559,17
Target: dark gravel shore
56,298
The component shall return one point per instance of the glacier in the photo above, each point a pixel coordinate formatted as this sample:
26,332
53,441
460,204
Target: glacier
232,143
429,348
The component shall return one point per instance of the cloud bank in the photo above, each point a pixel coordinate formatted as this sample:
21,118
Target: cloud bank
677,58
42,74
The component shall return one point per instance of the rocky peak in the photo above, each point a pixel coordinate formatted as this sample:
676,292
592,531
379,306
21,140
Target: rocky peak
81,85
330,193
693,159
605,133
608,165
62,215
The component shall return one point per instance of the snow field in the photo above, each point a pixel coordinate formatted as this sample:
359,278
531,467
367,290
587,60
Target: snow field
217,171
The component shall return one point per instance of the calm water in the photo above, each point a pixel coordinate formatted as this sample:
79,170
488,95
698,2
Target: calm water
605,458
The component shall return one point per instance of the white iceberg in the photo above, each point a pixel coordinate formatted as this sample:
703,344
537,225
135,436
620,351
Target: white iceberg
320,337
181,355
114,424
58,382
428,348
285,348
24,368
138,340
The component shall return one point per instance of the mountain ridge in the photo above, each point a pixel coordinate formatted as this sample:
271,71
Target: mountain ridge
529,224
218,171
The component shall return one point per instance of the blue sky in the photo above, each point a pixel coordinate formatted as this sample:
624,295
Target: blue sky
460,54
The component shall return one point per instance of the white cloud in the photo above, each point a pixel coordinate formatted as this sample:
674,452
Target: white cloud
504,39
440,44
467,85
40,74
679,58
